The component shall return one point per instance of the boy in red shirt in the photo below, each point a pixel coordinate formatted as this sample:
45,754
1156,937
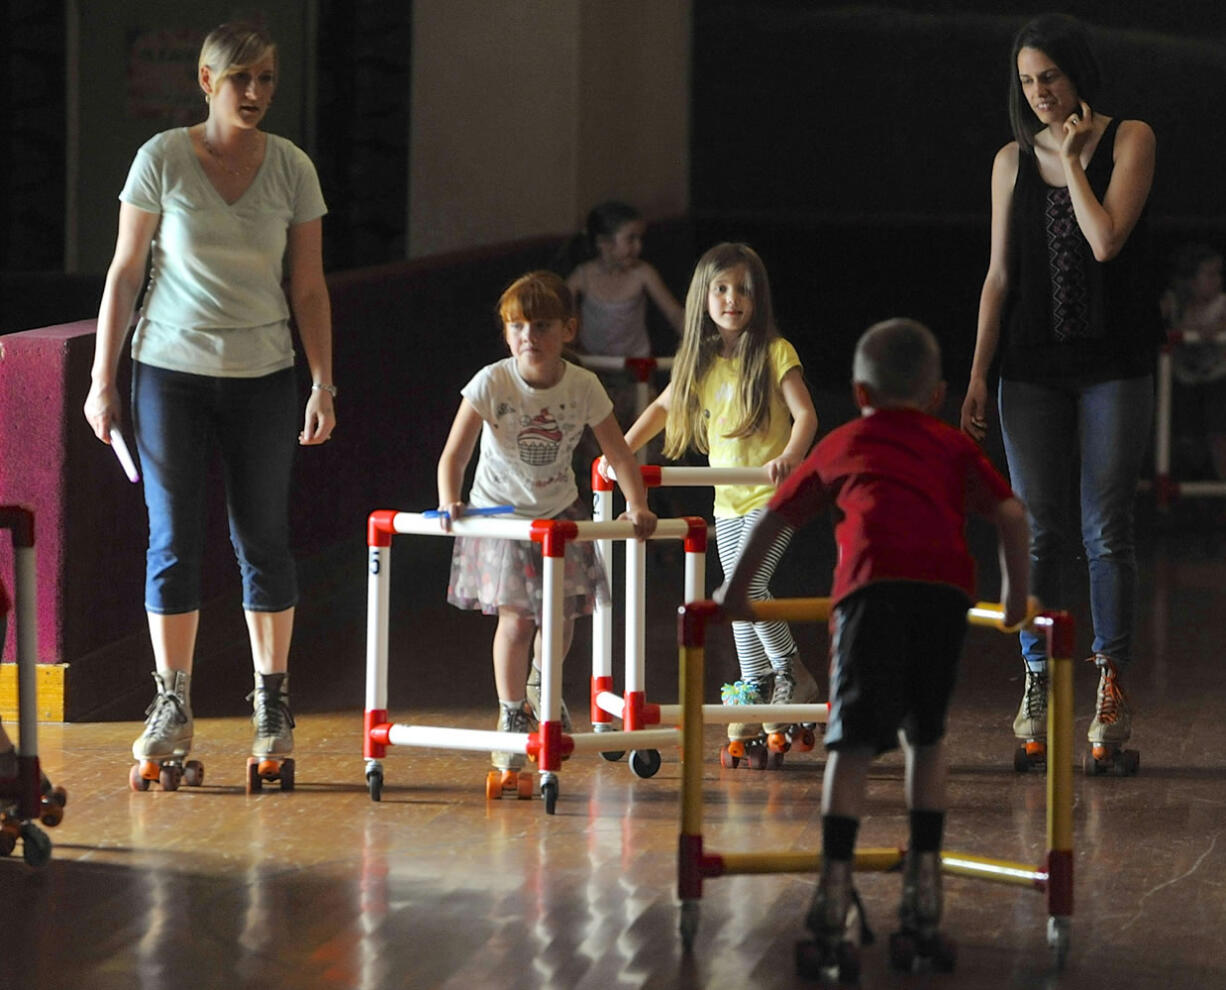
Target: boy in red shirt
899,482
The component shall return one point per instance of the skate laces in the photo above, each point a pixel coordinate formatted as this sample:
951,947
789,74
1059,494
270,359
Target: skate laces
271,715
164,710
518,720
1035,701
1111,697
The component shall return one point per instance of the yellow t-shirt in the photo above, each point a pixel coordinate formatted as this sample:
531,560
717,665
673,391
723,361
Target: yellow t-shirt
717,390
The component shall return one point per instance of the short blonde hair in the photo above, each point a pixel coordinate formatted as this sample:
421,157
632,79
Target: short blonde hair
899,360
540,295
234,47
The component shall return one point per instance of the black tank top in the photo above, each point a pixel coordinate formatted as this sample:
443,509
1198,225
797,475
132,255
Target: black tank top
1067,317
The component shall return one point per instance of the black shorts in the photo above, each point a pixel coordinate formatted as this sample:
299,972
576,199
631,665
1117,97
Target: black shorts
894,653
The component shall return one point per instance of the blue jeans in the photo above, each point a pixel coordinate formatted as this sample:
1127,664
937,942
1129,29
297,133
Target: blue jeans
1049,431
179,419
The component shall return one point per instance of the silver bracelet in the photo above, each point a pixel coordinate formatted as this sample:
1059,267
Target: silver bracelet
332,390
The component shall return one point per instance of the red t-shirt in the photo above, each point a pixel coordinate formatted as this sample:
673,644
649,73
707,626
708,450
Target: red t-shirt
901,483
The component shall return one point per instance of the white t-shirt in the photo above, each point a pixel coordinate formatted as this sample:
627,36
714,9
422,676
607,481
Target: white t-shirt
529,436
215,305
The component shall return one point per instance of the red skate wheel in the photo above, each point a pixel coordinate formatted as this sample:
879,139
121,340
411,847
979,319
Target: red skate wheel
523,786
774,761
58,796
169,778
756,758
726,759
805,741
493,785
777,742
136,779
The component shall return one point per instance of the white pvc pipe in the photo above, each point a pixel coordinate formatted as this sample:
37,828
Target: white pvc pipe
438,737
379,562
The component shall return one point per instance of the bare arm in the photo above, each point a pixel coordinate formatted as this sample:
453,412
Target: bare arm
629,478
313,315
1108,224
1013,538
658,291
651,420
804,425
124,279
992,296
457,452
733,594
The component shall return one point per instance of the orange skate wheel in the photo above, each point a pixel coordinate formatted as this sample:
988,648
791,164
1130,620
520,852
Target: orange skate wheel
524,786
270,769
736,748
150,769
136,779
493,785
777,742
804,741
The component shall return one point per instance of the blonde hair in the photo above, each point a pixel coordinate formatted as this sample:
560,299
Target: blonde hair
539,295
234,47
686,426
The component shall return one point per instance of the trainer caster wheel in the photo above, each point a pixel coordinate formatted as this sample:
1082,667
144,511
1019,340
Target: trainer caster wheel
612,755
269,769
549,792
688,926
35,846
1031,755
908,951
513,783
1058,939
644,762
726,758
374,783
817,961
1113,760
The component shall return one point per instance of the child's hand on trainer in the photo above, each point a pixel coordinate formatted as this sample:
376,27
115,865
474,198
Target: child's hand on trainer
644,521
736,606
449,513
781,467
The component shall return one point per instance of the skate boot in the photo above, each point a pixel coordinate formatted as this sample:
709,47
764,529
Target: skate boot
1111,727
745,739
1030,724
836,919
160,750
273,726
918,942
794,685
533,689
508,776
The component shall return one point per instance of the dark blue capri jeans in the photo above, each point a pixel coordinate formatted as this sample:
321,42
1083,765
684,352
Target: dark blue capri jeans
179,419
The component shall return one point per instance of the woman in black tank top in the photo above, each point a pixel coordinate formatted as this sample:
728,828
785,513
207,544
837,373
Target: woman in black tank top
1068,307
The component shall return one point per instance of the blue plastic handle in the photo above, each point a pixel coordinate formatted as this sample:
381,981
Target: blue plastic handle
485,510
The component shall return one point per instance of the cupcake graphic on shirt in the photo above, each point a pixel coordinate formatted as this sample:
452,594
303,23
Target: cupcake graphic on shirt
540,439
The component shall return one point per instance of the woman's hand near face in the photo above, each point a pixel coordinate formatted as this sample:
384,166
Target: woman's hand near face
1077,130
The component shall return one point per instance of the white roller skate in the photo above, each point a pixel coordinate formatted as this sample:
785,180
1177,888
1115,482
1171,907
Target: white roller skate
794,685
836,919
918,942
161,750
533,689
273,726
1112,725
746,741
1030,723
508,775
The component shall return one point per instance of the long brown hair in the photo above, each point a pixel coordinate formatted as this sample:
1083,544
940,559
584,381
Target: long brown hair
686,426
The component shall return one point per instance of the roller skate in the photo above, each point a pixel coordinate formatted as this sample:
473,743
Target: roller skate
161,750
1030,724
1111,727
533,689
508,777
918,943
836,919
273,742
746,740
794,685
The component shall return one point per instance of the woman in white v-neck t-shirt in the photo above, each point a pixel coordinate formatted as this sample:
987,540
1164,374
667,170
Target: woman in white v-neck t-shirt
224,214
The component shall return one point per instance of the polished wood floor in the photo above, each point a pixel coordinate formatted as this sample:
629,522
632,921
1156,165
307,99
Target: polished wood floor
436,887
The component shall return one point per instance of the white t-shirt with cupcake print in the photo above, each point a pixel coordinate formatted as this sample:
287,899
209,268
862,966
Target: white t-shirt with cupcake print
529,436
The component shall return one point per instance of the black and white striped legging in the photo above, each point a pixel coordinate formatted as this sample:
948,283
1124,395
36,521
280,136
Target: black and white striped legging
760,646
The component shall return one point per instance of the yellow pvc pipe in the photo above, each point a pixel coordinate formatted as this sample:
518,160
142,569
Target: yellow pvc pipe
692,663
865,861
1060,754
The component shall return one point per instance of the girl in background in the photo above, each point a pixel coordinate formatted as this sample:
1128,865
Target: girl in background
529,411
738,395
